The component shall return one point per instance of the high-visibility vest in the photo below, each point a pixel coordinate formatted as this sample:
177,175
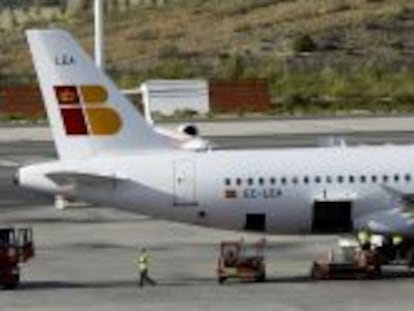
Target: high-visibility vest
397,239
143,262
363,237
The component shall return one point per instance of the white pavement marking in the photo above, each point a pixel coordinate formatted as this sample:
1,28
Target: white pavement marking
8,163
8,134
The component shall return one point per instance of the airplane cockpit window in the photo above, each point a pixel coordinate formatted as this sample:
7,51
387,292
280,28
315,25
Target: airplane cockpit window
227,182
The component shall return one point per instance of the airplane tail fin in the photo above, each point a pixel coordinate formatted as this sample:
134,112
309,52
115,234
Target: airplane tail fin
88,115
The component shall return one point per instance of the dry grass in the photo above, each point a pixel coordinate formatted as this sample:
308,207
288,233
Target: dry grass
208,37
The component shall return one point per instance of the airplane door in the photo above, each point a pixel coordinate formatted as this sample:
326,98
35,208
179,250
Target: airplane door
184,183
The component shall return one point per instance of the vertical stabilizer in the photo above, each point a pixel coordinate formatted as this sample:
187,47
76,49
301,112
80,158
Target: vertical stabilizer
87,113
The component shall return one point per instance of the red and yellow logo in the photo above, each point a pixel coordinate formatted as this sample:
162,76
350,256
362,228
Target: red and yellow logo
84,110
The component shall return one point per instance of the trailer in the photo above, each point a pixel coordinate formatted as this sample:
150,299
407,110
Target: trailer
347,261
242,261
16,248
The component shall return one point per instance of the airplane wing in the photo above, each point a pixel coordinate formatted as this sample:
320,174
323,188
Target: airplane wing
406,197
405,205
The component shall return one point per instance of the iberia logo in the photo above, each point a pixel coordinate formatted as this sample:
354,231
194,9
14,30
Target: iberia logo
85,111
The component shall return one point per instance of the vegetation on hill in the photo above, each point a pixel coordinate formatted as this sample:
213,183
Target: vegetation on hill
319,56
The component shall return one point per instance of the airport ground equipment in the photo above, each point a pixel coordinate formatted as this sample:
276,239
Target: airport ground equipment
397,255
241,261
347,261
16,247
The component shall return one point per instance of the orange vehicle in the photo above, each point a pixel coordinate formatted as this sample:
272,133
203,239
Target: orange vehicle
241,261
16,247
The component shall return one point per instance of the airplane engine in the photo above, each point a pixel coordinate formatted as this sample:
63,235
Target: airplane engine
189,129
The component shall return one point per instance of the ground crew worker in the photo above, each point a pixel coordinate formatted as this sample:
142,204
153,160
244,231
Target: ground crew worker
377,242
364,240
143,265
397,241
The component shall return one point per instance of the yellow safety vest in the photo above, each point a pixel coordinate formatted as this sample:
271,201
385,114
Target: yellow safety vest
397,239
363,237
143,262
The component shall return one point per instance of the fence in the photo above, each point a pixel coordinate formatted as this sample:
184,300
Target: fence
22,101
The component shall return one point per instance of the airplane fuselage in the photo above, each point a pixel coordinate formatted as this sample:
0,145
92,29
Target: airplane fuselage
286,191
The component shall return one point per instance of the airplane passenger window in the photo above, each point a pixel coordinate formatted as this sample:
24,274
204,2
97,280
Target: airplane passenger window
362,178
261,181
250,181
374,178
306,179
407,177
340,179
295,180
385,178
351,179
317,179
328,179
396,178
227,182
283,180
238,181
272,180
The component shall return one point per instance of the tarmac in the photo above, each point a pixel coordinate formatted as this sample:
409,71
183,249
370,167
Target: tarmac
251,127
86,256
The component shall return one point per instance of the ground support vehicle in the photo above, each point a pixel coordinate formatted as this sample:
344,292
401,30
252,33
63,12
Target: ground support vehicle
397,255
16,247
347,261
241,261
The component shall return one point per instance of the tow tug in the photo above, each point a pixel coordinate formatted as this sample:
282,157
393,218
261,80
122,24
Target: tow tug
242,261
16,247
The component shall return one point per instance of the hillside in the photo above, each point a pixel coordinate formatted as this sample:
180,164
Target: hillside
317,54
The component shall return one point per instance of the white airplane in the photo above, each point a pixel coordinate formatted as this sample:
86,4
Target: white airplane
109,155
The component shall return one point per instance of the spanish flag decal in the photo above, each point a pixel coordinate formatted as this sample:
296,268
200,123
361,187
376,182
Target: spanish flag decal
85,110
230,194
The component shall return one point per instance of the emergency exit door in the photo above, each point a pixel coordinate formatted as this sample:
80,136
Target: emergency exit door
184,183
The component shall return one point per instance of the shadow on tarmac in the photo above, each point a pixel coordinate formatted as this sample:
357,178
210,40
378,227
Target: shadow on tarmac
183,282
386,275
61,285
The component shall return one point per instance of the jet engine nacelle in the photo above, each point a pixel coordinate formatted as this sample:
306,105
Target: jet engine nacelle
189,129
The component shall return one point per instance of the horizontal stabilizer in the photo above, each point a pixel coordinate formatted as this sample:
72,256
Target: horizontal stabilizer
70,179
